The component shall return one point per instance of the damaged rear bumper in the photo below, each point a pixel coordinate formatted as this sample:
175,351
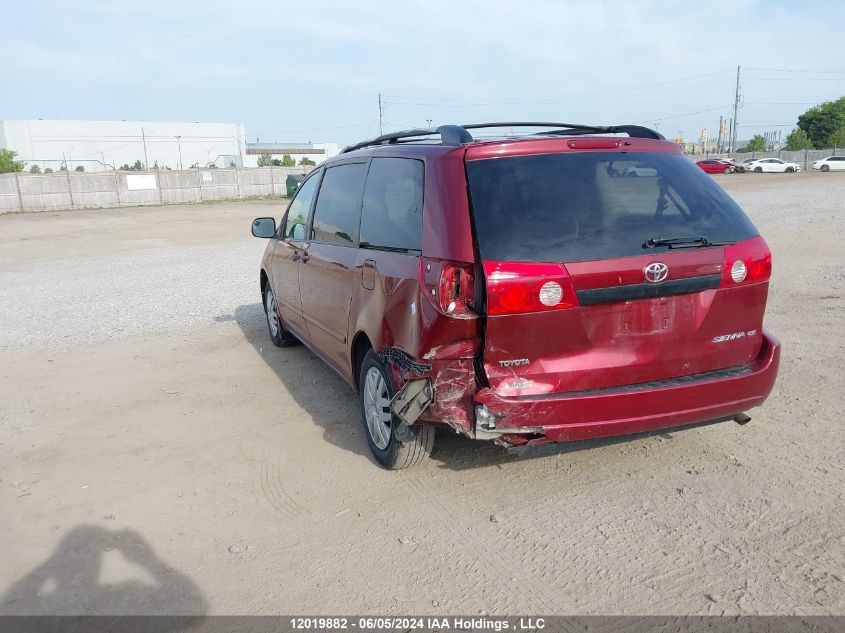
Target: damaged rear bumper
633,409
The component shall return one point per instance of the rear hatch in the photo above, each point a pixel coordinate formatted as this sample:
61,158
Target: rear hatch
576,296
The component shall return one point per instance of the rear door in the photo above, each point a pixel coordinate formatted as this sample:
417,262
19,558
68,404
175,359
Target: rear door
327,269
574,300
836,162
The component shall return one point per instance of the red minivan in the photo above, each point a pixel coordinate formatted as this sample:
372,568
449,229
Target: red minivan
522,289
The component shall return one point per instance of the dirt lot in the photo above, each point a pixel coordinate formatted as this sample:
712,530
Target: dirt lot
159,455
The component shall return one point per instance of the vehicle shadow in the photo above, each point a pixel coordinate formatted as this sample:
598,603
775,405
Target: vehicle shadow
308,380
70,581
343,428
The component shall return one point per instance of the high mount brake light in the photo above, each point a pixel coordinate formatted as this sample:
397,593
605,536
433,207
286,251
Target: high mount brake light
746,262
593,144
514,287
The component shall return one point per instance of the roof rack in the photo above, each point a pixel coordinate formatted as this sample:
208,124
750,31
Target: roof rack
459,134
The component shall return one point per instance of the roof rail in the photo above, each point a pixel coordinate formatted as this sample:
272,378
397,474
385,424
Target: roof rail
459,134
566,129
449,135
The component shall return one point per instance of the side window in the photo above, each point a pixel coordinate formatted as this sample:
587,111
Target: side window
297,215
338,204
393,204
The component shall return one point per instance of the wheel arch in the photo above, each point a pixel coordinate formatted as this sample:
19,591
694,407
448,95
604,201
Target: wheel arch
264,280
361,344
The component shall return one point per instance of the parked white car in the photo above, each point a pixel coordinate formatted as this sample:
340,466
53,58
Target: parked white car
772,165
831,163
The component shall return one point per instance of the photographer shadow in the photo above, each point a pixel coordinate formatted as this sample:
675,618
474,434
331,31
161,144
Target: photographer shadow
70,581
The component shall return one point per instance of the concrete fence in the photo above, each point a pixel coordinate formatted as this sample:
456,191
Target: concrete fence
79,190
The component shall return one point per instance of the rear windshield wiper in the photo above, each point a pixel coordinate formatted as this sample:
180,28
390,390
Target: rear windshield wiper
682,242
392,249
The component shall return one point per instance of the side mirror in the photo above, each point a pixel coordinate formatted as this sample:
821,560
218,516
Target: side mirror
298,232
264,227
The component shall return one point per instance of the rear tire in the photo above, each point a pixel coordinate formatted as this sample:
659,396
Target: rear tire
728,170
394,444
758,170
278,334
825,167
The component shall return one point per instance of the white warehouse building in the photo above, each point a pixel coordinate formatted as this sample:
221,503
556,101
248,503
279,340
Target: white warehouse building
106,145
316,152
99,145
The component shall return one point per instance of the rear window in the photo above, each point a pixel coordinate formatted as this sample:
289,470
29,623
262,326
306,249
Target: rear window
393,204
573,207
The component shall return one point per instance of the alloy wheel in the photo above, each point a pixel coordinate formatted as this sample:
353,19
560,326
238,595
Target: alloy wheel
377,408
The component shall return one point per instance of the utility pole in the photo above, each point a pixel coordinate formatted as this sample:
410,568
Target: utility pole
144,141
719,140
179,143
380,116
736,112
730,134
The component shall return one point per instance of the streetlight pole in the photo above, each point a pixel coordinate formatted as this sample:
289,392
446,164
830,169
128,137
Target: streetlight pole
179,143
429,122
144,141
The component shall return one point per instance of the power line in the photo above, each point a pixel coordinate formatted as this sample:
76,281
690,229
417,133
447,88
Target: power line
678,116
469,101
313,129
799,70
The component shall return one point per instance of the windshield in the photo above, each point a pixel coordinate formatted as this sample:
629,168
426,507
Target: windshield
583,206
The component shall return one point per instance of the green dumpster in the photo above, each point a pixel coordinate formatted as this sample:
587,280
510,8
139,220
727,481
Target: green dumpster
292,183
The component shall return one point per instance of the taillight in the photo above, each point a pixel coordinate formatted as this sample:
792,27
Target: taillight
747,262
514,287
455,291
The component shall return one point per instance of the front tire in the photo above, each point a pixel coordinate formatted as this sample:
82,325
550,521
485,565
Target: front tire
825,167
278,334
394,444
758,170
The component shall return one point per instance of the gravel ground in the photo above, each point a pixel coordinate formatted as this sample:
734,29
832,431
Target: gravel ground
158,455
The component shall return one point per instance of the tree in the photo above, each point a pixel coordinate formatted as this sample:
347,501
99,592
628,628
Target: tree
797,140
35,169
137,166
756,144
837,139
48,170
8,162
288,161
306,161
822,121
80,168
264,159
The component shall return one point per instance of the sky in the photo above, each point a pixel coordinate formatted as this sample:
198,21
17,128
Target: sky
313,71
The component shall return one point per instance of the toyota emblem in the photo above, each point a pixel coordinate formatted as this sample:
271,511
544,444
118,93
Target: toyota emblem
656,272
